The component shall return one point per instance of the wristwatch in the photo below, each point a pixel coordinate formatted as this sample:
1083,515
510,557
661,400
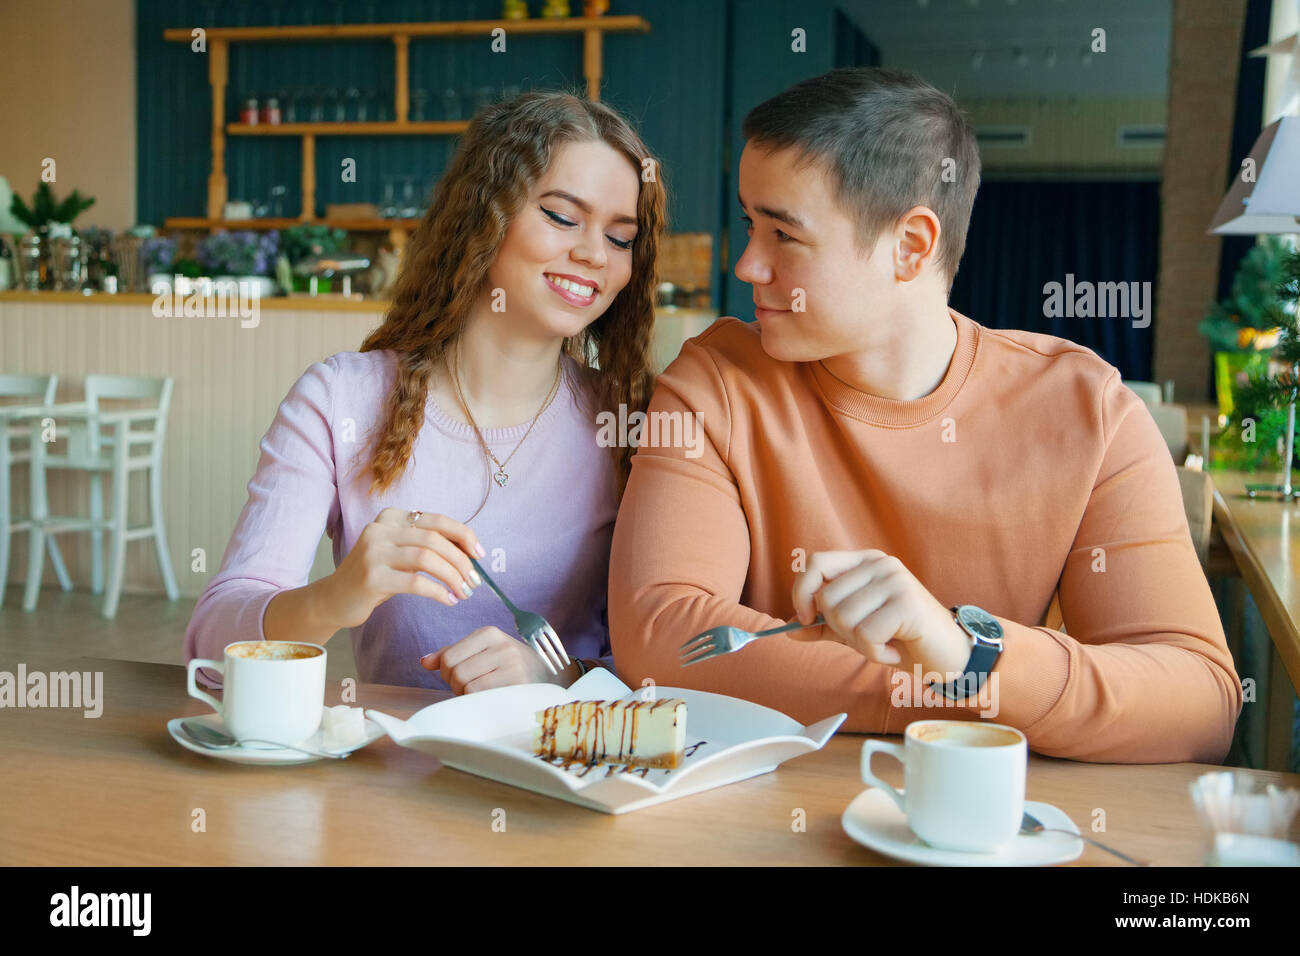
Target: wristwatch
986,632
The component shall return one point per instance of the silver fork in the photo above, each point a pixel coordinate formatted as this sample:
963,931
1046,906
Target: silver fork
533,628
1031,824
724,639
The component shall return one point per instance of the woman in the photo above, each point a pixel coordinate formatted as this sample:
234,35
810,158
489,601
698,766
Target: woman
466,425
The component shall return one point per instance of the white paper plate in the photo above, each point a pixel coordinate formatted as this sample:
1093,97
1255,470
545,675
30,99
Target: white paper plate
490,734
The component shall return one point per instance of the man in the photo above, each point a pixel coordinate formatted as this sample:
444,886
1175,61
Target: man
875,457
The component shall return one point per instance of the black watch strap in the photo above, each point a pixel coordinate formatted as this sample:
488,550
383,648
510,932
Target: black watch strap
983,657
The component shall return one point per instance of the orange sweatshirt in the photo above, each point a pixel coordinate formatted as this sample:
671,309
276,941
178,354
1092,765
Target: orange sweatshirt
1029,468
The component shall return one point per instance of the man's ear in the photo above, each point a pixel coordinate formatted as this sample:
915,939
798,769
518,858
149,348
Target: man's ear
918,242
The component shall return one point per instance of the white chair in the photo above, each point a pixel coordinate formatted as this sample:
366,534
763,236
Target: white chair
15,437
90,450
1172,422
1149,392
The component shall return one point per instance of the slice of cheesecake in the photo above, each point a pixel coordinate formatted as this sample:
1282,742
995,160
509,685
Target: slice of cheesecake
638,733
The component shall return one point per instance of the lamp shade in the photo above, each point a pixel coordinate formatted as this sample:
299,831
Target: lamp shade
1267,202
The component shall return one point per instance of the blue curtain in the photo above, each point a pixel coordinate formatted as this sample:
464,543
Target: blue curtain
1024,235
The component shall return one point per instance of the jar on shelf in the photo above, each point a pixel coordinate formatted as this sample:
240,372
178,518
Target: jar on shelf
271,112
33,261
248,115
68,263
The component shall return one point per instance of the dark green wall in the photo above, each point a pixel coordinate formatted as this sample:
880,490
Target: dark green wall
686,85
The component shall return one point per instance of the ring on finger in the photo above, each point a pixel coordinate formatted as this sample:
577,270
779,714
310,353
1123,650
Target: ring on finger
412,517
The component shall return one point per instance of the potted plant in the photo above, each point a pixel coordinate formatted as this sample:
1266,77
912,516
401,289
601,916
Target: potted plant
241,260
45,209
48,220
1234,325
307,242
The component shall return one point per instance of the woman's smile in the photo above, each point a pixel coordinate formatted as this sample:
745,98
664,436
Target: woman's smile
573,289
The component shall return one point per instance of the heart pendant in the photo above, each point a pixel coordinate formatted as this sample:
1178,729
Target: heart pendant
501,478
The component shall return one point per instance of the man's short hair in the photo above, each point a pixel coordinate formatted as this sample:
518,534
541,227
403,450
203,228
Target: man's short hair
890,141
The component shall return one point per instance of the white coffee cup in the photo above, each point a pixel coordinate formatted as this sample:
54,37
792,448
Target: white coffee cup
273,690
963,782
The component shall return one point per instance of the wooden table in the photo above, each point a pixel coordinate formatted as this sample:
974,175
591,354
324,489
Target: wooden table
1263,535
118,790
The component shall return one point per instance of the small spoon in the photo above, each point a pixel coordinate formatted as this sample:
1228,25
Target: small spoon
1031,824
213,739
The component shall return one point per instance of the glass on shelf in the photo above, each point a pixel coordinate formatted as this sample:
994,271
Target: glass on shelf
278,192
332,106
410,208
451,104
369,109
418,99
384,106
289,105
388,208
317,106
68,263
352,110
484,97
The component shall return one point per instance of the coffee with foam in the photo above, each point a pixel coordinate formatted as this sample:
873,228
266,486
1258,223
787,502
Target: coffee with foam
962,733
281,704
273,651
963,782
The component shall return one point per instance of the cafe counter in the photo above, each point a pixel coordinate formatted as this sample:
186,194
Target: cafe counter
230,374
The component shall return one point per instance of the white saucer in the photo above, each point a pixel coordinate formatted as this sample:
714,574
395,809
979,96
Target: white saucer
265,754
875,821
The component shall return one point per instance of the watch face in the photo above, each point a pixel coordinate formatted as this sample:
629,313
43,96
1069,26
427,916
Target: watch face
981,622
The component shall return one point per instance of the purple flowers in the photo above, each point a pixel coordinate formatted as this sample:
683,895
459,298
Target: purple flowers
245,253
158,253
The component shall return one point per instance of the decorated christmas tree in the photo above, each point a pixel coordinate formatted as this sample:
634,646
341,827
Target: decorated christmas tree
1265,400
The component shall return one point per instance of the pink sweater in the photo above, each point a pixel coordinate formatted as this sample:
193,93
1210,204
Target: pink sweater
547,533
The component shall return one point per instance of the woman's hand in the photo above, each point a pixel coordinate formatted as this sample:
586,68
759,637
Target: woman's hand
389,558
875,605
489,657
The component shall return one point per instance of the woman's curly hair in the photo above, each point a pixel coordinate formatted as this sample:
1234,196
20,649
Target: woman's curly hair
506,149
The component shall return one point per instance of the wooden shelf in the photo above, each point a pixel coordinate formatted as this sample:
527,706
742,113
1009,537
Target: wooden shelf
391,128
352,225
379,31
218,39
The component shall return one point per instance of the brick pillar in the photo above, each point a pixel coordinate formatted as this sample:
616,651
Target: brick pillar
1203,63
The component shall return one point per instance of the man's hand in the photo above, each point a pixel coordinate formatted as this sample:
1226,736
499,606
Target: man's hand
489,657
872,603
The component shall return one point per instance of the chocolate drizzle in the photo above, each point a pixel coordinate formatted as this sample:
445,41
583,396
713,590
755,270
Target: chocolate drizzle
590,725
